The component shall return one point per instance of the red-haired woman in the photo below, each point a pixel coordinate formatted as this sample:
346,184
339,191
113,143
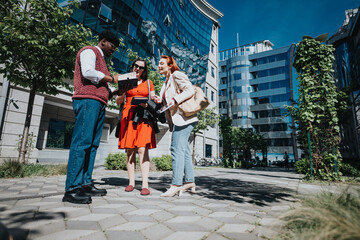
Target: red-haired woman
176,89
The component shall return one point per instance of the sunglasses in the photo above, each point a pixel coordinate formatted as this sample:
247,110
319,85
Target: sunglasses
139,67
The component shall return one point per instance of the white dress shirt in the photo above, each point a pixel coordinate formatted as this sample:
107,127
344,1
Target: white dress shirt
87,63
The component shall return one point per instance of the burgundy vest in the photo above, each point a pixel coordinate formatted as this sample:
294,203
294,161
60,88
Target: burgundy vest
84,88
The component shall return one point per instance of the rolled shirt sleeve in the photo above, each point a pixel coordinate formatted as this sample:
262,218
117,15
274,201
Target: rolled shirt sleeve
87,61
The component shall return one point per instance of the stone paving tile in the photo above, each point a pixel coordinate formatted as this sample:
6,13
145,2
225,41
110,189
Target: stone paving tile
67,235
162,216
44,227
216,236
71,212
223,214
124,235
143,212
93,217
95,236
156,232
236,228
139,218
132,226
187,235
241,236
184,219
111,222
183,227
83,225
209,223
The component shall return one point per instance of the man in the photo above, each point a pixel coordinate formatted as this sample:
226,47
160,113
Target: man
92,92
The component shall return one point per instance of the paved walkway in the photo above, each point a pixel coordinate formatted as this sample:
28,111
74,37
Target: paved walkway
229,204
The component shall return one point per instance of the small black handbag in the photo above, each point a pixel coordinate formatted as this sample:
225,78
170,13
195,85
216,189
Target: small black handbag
118,125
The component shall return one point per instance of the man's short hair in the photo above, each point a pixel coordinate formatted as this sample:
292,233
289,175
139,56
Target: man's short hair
110,37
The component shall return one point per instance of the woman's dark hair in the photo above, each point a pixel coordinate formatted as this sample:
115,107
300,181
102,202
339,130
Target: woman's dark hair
144,75
171,63
110,37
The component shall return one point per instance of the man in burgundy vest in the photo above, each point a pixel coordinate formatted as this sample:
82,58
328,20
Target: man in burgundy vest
91,84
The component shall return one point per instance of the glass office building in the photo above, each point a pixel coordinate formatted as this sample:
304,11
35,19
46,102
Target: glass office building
255,85
346,41
153,28
184,29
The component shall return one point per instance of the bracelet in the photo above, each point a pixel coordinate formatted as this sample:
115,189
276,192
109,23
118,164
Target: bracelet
112,79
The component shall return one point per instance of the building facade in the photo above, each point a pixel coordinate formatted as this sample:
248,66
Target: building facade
346,41
184,29
255,85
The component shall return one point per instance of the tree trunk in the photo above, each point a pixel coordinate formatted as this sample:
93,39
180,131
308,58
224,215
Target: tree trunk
24,138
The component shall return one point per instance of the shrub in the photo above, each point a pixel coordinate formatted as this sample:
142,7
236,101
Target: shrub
325,216
348,170
11,168
116,161
163,163
302,166
15,169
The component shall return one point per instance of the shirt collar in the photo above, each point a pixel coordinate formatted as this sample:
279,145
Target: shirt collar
102,54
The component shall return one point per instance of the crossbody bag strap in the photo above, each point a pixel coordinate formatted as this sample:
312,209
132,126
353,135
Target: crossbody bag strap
148,83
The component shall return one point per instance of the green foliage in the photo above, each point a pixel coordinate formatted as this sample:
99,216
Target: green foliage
39,44
325,216
302,166
226,163
316,111
116,161
38,47
29,146
11,168
15,169
163,163
348,170
235,139
207,117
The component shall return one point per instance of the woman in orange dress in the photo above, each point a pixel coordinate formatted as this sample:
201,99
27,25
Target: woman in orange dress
139,135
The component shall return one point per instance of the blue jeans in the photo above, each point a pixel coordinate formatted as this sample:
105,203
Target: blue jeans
181,154
89,122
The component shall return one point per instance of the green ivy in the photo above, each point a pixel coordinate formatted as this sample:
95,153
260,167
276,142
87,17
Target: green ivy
316,111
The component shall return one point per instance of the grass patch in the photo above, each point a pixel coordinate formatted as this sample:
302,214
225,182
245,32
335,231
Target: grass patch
323,217
14,169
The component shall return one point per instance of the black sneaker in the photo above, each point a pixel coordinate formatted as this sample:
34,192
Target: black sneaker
77,196
93,191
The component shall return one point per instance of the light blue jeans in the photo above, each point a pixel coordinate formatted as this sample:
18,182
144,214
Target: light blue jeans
89,122
181,154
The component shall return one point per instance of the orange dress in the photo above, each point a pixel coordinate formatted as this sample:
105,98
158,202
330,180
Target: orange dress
141,134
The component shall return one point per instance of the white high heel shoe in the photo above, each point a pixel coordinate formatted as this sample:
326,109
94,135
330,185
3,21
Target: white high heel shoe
188,186
172,191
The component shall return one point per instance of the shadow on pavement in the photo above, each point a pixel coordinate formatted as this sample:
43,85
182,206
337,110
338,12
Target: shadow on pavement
261,174
219,188
15,221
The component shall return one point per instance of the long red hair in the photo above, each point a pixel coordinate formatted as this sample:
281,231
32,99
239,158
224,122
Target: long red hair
171,63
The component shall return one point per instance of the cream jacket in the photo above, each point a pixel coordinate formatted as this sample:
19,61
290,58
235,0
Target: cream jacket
187,91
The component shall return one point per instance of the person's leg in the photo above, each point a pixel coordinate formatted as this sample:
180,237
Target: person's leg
80,144
144,166
130,165
98,114
179,142
189,167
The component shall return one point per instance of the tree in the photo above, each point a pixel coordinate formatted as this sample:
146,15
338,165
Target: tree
38,46
316,111
207,117
226,132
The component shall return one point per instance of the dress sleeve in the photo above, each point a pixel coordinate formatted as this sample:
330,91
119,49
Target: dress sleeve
152,88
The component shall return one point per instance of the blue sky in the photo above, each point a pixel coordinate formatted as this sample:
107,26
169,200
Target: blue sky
281,21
